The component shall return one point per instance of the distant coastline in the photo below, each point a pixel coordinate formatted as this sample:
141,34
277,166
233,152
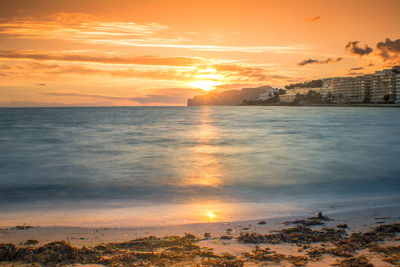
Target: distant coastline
381,89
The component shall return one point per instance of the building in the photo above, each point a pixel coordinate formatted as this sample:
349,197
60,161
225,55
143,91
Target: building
326,88
269,93
380,87
396,69
351,90
383,86
305,90
289,97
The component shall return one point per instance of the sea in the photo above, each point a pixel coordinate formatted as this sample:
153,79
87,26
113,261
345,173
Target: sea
149,166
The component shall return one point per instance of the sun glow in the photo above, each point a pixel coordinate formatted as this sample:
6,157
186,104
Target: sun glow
210,214
205,85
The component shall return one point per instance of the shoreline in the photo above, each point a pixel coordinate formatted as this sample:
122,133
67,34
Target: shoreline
224,237
326,105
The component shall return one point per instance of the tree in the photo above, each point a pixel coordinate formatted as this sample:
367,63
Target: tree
386,98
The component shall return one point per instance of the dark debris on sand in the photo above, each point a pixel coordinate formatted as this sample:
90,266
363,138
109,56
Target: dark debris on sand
354,262
297,235
150,251
183,250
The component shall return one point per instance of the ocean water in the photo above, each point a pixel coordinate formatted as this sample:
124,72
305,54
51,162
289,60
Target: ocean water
130,166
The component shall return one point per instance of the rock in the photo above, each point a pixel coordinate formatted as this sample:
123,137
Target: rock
31,242
7,252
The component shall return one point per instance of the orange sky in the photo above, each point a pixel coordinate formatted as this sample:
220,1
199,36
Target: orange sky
160,52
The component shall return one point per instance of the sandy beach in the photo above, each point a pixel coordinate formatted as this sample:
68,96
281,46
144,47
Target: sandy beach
350,238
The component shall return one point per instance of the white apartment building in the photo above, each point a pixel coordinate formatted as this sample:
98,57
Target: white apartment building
269,93
380,87
287,98
291,94
326,88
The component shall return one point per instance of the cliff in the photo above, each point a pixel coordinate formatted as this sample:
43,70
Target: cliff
227,98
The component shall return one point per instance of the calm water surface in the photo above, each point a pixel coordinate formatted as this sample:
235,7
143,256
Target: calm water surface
167,165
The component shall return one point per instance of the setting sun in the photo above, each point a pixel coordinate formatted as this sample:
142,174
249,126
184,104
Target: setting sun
211,215
205,85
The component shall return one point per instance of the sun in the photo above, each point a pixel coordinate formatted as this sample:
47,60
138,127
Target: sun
211,214
205,85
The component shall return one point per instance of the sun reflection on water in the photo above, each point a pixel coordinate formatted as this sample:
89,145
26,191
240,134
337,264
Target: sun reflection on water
204,168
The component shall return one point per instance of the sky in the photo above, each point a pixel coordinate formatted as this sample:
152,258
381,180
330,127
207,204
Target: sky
161,52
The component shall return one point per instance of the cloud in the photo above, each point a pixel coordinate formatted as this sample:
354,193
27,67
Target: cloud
177,96
314,61
313,19
40,71
357,68
87,96
237,86
41,84
13,103
355,73
388,50
219,48
357,50
142,60
76,26
84,28
249,73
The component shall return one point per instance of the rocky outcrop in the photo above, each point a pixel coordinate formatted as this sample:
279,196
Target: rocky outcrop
227,98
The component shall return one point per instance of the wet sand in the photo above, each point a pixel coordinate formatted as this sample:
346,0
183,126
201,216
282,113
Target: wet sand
352,238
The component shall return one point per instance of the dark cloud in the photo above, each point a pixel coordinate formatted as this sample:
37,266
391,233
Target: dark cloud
255,73
388,50
357,68
370,65
314,61
357,50
41,84
355,73
313,19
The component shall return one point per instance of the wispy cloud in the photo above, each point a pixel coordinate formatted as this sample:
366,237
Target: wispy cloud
76,26
165,96
223,73
85,28
217,48
315,61
242,73
142,60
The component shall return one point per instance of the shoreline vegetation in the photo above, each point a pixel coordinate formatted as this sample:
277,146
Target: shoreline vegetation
363,238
